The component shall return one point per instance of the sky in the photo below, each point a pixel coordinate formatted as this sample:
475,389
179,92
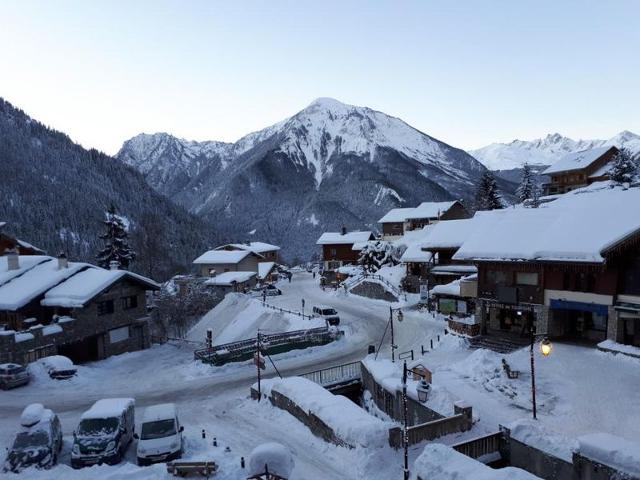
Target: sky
466,72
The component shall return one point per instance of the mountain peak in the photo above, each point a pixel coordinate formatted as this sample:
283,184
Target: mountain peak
327,102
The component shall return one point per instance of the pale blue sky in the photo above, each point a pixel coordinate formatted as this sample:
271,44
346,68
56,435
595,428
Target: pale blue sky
467,72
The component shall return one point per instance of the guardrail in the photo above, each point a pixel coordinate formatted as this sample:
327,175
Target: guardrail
335,375
284,310
272,343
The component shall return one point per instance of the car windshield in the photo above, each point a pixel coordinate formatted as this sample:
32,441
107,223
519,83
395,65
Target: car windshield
35,439
15,370
158,429
329,311
93,427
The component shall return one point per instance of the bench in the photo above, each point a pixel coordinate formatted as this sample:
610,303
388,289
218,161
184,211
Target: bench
512,374
182,469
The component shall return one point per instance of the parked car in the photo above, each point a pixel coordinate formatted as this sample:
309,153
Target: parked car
328,313
104,433
160,436
272,290
39,441
59,367
13,375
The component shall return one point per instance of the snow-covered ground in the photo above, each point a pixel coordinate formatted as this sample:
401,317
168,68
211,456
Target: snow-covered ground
580,389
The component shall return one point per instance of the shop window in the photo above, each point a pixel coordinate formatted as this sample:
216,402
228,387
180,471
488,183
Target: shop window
526,278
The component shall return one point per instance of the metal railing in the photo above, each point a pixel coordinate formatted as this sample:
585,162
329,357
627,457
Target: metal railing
284,310
480,446
333,375
364,276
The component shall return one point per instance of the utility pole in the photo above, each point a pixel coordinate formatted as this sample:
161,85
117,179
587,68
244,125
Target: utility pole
533,374
393,343
405,430
258,363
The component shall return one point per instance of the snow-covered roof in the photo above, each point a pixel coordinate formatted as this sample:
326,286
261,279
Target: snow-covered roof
35,281
452,233
223,257
455,269
229,278
577,160
107,408
424,210
256,247
396,215
414,253
78,290
337,238
264,269
579,227
444,463
430,209
452,289
26,262
163,411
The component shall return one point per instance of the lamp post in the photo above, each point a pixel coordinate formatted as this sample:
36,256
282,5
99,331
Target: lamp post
423,393
393,343
545,348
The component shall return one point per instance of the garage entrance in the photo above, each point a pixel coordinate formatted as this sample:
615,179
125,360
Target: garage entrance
83,351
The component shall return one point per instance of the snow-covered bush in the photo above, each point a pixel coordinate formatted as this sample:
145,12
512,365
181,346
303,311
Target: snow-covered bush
377,254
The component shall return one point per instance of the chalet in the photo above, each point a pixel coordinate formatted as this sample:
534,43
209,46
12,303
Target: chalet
269,252
570,268
9,243
579,169
398,221
233,282
342,248
215,262
52,306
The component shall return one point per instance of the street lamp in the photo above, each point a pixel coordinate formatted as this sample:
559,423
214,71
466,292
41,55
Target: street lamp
423,394
400,318
545,349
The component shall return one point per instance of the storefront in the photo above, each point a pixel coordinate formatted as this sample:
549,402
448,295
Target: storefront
575,320
507,318
628,328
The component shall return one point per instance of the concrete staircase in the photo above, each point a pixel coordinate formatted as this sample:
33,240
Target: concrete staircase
499,343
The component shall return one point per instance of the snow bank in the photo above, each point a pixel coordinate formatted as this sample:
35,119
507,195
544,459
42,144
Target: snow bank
393,275
275,456
531,433
349,422
444,463
610,450
615,347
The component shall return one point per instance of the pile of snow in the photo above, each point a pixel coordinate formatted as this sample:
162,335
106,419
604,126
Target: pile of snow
616,452
107,408
444,463
349,422
531,433
611,346
272,456
32,414
393,275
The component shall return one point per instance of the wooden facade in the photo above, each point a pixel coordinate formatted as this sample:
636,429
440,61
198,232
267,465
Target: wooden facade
336,255
563,182
8,243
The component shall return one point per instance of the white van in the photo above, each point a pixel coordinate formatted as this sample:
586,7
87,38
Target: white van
328,313
160,436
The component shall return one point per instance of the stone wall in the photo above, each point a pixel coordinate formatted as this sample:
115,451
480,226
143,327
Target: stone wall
472,330
373,290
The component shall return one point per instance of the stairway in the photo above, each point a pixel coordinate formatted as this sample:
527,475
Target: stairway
498,343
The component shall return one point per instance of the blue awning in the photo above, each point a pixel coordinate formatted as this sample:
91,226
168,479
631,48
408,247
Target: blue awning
580,306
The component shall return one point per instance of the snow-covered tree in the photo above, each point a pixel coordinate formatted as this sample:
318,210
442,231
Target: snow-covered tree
624,168
527,184
535,195
116,242
487,196
377,254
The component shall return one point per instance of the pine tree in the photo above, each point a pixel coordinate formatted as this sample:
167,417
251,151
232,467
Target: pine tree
377,254
624,168
527,186
487,195
116,242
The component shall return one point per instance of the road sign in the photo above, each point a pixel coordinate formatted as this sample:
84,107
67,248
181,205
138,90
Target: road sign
259,361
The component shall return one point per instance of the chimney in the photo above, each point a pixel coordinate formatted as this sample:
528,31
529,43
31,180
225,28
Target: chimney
13,259
114,265
344,230
62,261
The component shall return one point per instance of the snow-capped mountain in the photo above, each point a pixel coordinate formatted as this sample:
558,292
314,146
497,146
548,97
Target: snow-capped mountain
330,164
547,150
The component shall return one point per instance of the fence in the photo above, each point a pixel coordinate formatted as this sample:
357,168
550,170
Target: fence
284,310
480,446
334,375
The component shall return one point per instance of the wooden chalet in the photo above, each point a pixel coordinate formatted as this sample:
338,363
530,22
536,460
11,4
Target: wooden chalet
342,248
398,221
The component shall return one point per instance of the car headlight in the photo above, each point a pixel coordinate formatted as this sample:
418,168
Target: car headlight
111,446
76,449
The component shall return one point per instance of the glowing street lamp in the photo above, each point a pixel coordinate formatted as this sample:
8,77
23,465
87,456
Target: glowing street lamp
546,347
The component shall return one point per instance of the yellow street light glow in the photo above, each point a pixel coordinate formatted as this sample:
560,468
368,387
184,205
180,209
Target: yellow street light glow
546,347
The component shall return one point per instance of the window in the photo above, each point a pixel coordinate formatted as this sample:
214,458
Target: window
333,252
118,334
105,308
526,278
497,277
129,302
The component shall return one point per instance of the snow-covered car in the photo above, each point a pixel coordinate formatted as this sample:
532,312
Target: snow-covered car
328,313
39,441
160,438
13,375
269,290
59,367
104,433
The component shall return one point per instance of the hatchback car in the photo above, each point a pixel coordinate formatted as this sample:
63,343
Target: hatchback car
39,441
59,367
13,375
